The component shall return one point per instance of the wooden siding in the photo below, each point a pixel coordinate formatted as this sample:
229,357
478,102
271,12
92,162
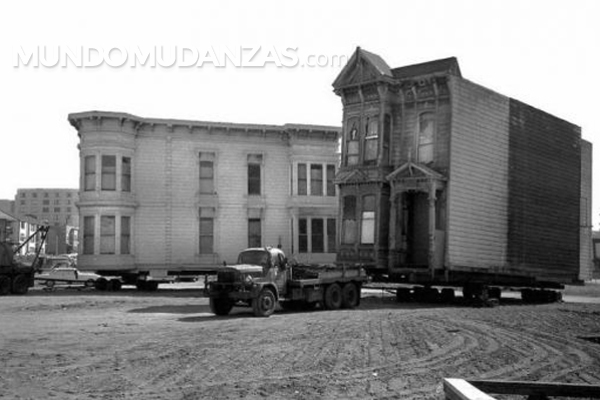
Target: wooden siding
478,177
544,194
165,202
586,266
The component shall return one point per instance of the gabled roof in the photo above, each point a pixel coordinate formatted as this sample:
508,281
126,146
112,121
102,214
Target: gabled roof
377,62
413,170
367,67
442,66
363,66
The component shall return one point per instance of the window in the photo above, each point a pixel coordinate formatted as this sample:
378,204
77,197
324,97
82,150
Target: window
45,209
349,220
125,235
107,235
387,130
56,202
69,196
316,180
254,166
303,235
45,195
69,209
126,174
371,140
89,182
426,129
34,195
302,180
46,202
254,232
109,173
352,143
317,235
367,233
207,173
206,235
321,233
56,209
88,235
330,180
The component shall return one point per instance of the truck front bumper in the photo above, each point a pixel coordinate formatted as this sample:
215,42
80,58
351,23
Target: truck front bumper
233,291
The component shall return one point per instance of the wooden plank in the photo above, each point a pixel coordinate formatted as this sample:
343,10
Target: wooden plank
538,388
459,389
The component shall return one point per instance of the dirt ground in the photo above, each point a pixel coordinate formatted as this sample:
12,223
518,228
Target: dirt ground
83,344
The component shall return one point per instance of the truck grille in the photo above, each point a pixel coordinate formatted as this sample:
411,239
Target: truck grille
227,276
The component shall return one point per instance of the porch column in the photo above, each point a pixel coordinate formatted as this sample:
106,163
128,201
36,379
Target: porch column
432,199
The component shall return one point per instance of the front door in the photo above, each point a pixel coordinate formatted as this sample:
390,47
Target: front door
417,229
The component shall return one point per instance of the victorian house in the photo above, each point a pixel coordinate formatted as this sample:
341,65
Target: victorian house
440,175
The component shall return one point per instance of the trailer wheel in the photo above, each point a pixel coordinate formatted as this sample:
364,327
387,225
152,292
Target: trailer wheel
264,304
447,295
116,284
220,306
20,284
4,285
350,295
333,297
49,284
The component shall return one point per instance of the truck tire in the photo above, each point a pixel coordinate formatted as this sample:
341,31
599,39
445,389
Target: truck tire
20,284
220,306
264,305
333,297
350,295
89,283
49,284
101,284
4,285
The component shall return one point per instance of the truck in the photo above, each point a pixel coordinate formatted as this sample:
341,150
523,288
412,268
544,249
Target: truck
263,278
17,277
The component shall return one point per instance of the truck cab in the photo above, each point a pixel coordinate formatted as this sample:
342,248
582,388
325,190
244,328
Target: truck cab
258,280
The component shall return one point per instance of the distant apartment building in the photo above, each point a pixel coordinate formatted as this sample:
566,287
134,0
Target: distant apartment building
57,206
158,194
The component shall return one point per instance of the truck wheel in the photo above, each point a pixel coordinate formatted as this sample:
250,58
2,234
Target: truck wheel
89,283
349,295
20,284
264,304
50,284
220,306
333,297
101,284
4,285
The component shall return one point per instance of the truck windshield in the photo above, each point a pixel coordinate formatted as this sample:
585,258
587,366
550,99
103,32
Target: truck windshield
256,257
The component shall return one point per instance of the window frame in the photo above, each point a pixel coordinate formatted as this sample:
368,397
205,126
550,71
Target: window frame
108,180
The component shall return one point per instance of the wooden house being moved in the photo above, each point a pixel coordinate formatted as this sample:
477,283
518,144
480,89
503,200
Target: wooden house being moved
445,181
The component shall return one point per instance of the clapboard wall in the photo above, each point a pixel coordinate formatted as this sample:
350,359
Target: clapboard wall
478,178
544,193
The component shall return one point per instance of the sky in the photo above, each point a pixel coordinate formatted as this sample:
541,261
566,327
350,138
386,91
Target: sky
544,53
